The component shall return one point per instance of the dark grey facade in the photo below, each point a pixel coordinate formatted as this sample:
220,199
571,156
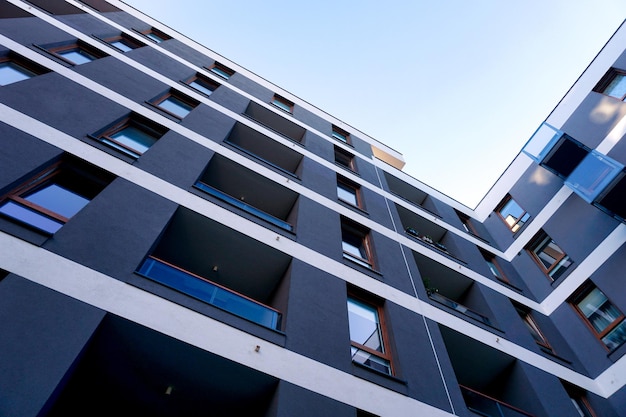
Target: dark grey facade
181,237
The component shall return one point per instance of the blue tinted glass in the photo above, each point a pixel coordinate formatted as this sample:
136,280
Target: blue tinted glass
155,37
121,45
176,106
30,217
281,104
10,72
593,175
134,138
202,87
77,56
220,72
58,200
617,87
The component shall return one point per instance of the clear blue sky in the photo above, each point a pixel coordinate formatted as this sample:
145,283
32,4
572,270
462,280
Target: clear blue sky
456,86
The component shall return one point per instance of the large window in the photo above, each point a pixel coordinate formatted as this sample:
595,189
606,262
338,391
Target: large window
513,215
49,199
14,69
174,104
605,320
549,256
613,84
356,245
202,84
132,136
367,335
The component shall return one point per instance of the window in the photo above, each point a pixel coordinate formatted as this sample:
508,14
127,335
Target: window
221,70
549,256
613,84
344,159
367,335
48,200
155,35
513,215
532,326
494,267
13,69
174,104
131,136
355,242
579,400
202,84
123,43
341,135
75,53
282,103
604,319
349,192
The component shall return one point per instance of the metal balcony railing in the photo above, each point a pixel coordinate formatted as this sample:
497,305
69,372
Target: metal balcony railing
489,407
459,307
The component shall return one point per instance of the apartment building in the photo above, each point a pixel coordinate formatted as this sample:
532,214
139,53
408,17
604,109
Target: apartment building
180,237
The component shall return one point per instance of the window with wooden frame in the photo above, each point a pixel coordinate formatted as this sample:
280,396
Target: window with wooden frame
356,244
132,135
532,326
155,35
14,68
174,103
344,158
613,84
282,103
221,70
76,53
494,267
368,336
49,199
349,192
202,84
512,214
341,135
604,319
123,43
579,400
552,260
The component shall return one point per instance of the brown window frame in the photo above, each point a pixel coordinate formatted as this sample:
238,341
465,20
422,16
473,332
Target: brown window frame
24,63
201,79
288,104
78,45
338,133
221,70
606,80
491,259
378,306
361,234
537,242
533,327
347,184
158,33
157,131
156,102
130,42
344,155
512,227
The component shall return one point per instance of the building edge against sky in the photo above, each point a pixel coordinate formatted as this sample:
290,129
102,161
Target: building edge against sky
207,243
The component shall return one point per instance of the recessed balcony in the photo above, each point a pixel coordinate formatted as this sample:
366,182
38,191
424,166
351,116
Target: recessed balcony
409,193
223,268
246,190
275,122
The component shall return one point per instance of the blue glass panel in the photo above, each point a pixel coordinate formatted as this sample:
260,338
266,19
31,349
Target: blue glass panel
202,87
281,104
30,217
57,199
593,175
617,87
77,56
542,142
134,138
10,73
121,45
371,361
155,37
209,293
176,106
240,204
220,72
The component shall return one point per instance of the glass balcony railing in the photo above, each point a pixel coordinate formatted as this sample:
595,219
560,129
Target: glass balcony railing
458,307
489,407
209,292
240,204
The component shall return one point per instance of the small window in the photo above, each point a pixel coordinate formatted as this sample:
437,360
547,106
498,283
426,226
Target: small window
221,70
123,43
14,69
367,335
48,200
613,84
202,84
282,103
174,104
344,159
356,245
513,215
494,267
341,135
605,320
132,136
349,192
532,326
549,256
75,53
579,400
155,35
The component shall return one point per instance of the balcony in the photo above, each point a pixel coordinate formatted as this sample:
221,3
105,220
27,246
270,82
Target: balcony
248,191
486,406
275,122
409,193
221,267
261,147
435,296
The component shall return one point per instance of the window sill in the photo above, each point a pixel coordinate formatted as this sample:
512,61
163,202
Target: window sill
353,207
508,284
